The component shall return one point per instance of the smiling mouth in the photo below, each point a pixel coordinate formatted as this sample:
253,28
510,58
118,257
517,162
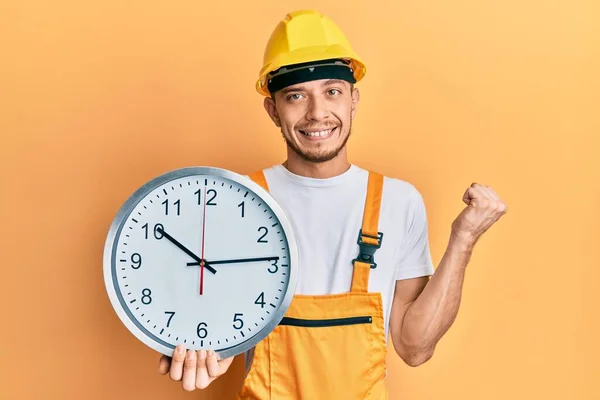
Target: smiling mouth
318,134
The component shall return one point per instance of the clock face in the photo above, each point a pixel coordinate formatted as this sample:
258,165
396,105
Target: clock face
202,257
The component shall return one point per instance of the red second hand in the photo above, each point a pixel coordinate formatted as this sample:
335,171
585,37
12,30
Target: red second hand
202,258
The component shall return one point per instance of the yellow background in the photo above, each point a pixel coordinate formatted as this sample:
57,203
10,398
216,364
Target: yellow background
98,97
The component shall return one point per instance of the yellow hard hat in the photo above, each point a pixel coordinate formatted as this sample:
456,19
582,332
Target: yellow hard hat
306,36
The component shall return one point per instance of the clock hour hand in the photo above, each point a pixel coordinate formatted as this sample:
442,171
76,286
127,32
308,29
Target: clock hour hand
185,249
238,260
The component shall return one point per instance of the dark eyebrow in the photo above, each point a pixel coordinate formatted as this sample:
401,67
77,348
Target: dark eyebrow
334,81
290,89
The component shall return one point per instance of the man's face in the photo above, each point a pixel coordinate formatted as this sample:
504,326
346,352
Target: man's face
315,117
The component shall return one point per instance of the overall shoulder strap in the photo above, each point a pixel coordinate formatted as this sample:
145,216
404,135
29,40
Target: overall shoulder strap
369,237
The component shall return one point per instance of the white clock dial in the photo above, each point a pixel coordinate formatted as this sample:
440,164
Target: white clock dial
153,272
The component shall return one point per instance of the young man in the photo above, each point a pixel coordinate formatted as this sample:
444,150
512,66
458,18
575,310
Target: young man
384,286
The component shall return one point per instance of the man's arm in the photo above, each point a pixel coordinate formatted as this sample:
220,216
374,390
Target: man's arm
424,309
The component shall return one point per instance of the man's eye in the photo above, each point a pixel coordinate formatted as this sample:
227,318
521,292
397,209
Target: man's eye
294,96
334,92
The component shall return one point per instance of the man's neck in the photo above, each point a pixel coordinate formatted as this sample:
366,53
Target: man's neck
328,169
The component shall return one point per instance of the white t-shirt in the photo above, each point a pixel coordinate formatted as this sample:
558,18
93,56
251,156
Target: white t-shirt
326,216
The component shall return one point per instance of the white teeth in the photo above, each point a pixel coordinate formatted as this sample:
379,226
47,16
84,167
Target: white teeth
320,133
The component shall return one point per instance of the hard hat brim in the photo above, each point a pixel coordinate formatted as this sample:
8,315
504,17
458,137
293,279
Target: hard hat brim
307,54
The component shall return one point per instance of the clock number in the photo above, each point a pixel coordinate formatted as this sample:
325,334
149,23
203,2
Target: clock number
136,258
214,193
156,233
274,263
201,328
242,206
172,314
261,300
177,203
260,239
237,319
146,299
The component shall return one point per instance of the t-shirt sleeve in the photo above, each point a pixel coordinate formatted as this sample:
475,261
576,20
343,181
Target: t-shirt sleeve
415,255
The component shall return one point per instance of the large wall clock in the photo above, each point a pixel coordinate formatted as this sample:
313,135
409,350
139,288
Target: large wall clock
203,257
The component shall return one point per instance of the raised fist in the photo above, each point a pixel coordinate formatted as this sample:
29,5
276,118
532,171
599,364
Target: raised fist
484,208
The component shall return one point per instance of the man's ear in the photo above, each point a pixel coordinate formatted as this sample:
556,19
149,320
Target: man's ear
269,104
355,100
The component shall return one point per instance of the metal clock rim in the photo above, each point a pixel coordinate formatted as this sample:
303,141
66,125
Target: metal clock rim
122,216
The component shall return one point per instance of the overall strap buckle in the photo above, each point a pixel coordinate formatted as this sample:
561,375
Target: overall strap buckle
367,250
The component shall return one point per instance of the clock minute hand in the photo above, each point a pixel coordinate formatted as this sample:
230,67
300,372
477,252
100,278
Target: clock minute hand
185,249
238,260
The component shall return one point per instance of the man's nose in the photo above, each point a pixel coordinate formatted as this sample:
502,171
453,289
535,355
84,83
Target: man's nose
317,109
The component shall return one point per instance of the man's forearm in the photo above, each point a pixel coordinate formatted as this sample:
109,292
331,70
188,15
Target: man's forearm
435,309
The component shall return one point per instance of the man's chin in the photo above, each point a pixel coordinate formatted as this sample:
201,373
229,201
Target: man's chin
317,156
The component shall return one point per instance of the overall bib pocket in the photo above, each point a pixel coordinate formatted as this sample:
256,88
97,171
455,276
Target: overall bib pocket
328,357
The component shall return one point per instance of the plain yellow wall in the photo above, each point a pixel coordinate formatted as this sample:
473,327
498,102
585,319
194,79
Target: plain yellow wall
98,97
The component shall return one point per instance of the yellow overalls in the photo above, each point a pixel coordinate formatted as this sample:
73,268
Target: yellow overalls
329,346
